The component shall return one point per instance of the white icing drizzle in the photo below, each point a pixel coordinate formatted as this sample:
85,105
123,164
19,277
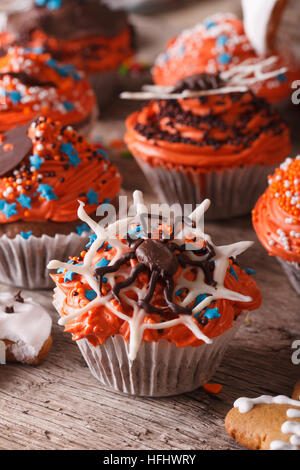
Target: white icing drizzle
195,288
29,326
238,79
244,405
257,15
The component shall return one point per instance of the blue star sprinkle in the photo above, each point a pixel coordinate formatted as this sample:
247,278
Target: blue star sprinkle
281,77
179,292
224,58
61,270
221,40
199,299
103,153
82,228
72,153
90,294
25,201
212,313
250,271
65,70
69,106
233,273
15,96
26,235
92,197
50,4
46,192
36,161
210,24
8,209
92,238
102,263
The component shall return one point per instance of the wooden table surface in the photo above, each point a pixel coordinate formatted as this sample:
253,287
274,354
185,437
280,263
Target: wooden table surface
60,405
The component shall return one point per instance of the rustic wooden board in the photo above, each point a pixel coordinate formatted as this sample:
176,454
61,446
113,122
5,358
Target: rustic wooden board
59,404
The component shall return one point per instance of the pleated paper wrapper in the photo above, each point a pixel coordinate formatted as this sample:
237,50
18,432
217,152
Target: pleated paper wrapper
23,263
105,85
292,270
233,192
160,368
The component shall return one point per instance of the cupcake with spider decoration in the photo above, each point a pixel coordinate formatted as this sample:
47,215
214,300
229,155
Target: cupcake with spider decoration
44,169
25,330
276,218
220,43
86,34
33,83
209,136
153,303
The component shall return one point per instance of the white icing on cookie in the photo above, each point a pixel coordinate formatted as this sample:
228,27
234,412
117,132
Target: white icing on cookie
244,405
257,15
195,288
29,326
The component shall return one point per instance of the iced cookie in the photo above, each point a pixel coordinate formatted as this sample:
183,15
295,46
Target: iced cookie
25,329
266,423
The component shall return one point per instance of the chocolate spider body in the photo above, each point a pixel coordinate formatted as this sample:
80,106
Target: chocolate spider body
161,261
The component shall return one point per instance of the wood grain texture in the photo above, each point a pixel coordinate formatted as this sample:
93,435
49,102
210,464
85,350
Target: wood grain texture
60,405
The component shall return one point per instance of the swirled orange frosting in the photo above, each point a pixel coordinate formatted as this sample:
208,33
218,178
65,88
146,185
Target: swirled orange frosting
276,216
99,323
214,132
91,54
87,34
33,83
215,45
60,168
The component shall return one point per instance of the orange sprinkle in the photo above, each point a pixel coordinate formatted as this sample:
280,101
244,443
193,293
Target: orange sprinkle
213,388
117,143
7,147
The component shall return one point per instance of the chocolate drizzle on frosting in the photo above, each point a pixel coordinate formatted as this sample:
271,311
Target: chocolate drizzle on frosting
237,135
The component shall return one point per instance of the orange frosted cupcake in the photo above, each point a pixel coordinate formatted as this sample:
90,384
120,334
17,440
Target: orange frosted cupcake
153,313
33,83
276,218
44,169
86,34
220,146
218,44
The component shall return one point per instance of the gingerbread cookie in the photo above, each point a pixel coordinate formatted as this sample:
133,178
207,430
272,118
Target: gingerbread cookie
25,330
266,423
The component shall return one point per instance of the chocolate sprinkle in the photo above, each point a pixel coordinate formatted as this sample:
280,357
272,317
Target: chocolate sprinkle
9,309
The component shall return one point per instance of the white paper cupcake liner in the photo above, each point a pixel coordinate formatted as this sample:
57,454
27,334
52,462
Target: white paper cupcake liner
292,270
233,192
160,369
23,263
105,85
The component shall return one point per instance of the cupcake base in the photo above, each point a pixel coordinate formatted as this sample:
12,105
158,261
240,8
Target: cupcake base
105,85
23,263
233,191
86,126
160,369
292,270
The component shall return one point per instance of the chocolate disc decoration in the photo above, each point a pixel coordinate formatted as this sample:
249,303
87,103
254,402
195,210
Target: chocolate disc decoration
14,148
199,81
